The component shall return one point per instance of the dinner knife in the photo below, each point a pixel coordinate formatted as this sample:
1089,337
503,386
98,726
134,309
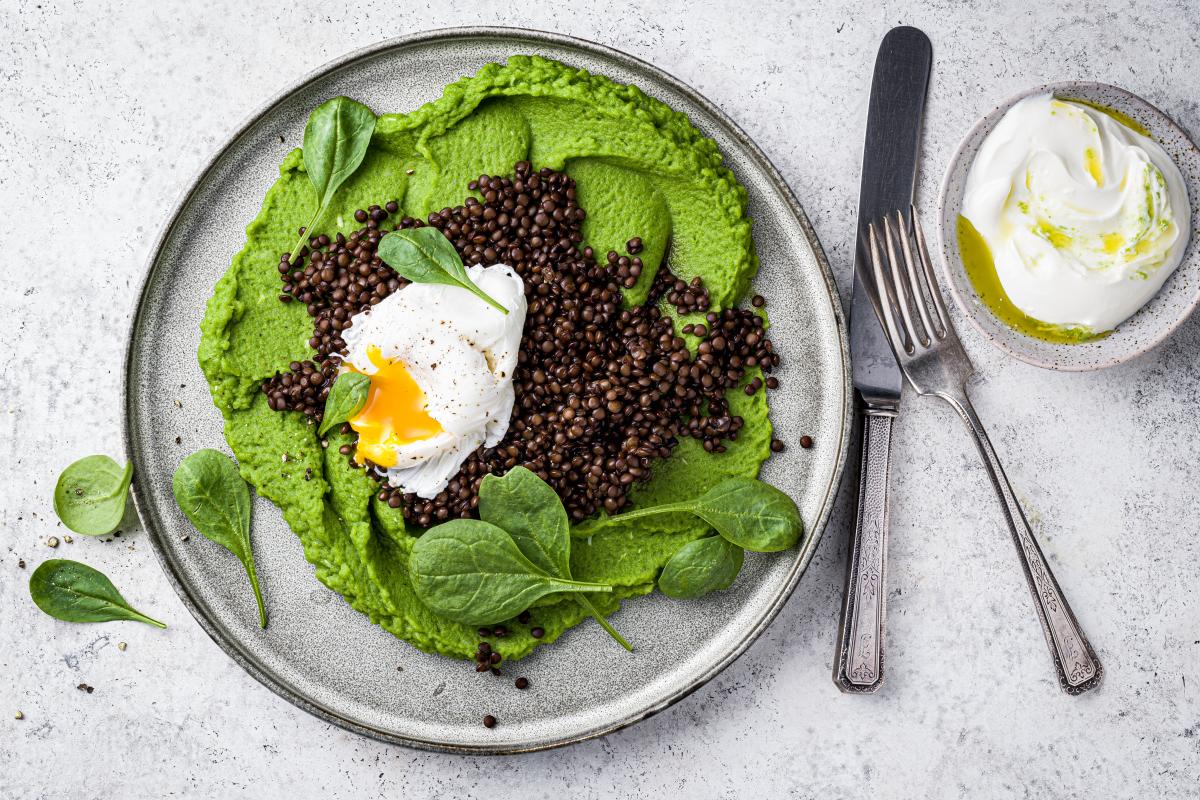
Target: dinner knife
889,170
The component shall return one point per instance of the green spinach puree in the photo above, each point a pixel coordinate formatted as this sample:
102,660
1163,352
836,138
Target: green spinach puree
641,170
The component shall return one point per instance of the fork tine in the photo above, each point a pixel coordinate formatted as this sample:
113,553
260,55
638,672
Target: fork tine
914,284
902,298
885,294
930,282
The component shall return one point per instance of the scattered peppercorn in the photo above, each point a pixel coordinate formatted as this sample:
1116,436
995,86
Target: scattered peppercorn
522,683
83,687
634,246
777,446
489,721
758,301
806,441
537,633
21,563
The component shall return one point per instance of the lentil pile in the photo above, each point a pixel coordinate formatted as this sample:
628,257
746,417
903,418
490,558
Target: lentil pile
601,390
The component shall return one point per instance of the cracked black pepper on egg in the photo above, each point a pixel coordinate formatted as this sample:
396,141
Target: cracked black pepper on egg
601,390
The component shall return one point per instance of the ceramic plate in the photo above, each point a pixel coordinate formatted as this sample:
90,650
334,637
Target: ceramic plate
1156,320
328,659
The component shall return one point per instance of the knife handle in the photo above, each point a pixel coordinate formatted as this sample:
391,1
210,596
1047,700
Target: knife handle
859,663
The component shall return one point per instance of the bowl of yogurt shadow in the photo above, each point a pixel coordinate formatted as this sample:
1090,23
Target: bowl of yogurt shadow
1067,224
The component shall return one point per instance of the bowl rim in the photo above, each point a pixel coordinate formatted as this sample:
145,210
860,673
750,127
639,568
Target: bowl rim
1162,121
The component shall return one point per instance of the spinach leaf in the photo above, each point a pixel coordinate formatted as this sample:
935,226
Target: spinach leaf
90,495
523,505
214,497
748,512
700,567
347,395
751,514
336,138
472,572
75,592
425,255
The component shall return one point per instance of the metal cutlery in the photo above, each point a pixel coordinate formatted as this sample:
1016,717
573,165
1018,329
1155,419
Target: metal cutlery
889,171
918,328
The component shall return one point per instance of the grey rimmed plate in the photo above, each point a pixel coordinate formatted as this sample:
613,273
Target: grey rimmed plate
328,659
1155,321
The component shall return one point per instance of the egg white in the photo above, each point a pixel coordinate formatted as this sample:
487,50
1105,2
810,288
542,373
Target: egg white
461,352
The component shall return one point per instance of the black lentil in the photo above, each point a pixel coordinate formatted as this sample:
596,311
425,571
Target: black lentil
602,391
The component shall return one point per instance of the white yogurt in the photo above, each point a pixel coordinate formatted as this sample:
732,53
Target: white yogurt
1084,216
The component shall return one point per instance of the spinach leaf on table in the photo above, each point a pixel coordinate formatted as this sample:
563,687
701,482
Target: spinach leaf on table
347,395
90,495
747,512
214,497
523,505
336,138
472,572
702,566
75,592
425,255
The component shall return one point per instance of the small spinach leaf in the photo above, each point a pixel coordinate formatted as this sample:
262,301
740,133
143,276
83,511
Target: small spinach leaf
751,514
523,505
472,572
75,592
748,512
346,397
336,138
700,567
91,493
425,255
214,497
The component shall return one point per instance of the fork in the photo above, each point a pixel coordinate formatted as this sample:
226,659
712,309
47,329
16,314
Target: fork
910,308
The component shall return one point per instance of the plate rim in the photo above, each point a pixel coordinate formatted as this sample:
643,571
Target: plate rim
535,36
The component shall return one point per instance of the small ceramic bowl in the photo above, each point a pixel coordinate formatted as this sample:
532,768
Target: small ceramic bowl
1156,320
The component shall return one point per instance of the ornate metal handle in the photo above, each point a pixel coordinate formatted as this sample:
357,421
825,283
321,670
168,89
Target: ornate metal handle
1076,663
859,663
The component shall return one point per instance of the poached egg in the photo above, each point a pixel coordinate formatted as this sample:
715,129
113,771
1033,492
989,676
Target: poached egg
441,364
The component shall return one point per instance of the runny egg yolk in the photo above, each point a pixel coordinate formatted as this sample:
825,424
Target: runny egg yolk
394,413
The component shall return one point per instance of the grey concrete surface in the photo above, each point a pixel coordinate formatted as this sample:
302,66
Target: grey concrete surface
108,110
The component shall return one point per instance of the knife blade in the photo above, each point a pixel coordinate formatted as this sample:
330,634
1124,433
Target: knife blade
889,169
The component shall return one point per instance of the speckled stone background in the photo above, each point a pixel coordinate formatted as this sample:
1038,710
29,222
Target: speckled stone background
107,112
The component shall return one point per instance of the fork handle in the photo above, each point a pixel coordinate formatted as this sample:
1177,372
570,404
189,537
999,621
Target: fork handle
1074,659
858,668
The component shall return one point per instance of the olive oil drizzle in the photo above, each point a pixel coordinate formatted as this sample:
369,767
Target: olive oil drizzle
981,271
